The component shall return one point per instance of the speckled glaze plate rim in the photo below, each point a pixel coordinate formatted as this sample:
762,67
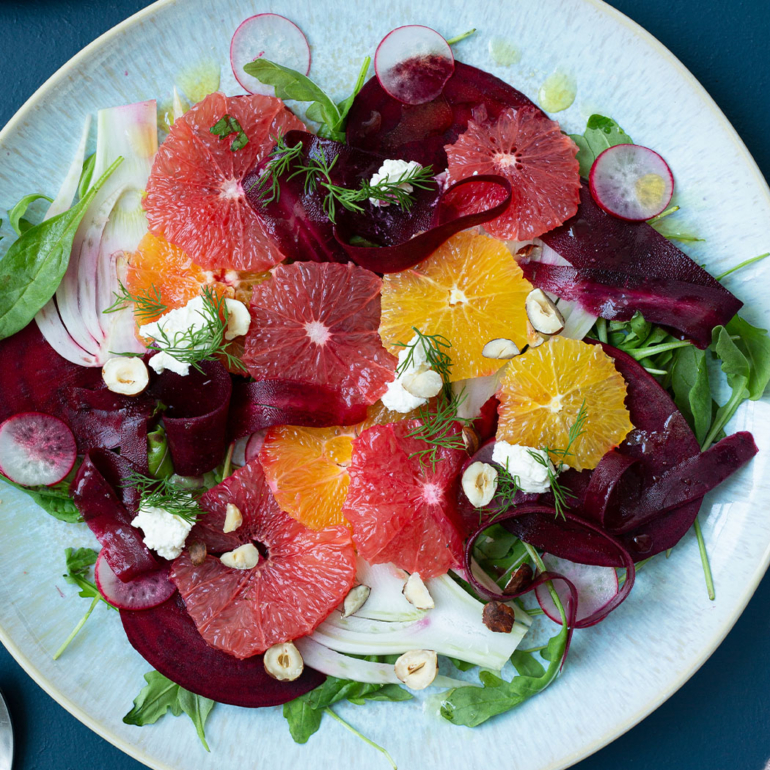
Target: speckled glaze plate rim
705,651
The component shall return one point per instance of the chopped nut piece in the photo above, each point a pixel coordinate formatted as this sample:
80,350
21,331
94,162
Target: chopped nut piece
197,551
355,599
283,662
233,518
243,557
480,483
416,592
501,349
124,375
543,314
238,319
526,251
470,439
417,668
534,339
520,578
498,617
423,384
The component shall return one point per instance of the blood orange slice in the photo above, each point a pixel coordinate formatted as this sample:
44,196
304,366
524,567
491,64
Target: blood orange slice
403,509
195,198
301,576
529,150
317,324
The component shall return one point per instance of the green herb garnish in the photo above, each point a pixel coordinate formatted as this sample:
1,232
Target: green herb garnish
226,126
164,493
148,303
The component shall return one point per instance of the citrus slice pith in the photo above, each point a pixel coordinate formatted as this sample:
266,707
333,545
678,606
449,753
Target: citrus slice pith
541,394
470,290
529,150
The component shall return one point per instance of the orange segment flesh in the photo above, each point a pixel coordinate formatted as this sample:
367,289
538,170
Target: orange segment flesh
470,290
543,389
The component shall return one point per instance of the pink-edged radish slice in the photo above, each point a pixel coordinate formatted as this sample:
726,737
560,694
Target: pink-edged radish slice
268,36
36,449
596,586
413,63
254,446
141,593
631,182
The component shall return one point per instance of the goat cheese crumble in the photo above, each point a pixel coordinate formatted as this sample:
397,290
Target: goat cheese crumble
164,532
396,397
532,475
391,171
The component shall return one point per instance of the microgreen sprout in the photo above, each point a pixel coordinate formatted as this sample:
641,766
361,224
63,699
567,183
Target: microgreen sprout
226,126
163,493
148,303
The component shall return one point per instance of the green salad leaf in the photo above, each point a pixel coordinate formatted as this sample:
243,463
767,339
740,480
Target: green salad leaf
600,134
160,695
16,214
54,500
692,392
158,454
34,265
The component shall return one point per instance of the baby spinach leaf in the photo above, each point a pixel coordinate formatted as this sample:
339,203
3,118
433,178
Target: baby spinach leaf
754,343
34,265
160,695
600,134
16,214
692,393
54,500
302,718
462,665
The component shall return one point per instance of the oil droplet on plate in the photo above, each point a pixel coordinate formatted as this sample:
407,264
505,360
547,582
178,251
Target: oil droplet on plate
557,92
503,52
199,80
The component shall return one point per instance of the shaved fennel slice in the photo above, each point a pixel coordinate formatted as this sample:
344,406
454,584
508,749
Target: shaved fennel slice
476,392
453,628
177,107
386,600
113,226
342,666
66,194
578,320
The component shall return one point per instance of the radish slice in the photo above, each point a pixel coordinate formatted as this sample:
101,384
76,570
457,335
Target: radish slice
631,182
36,449
413,63
141,593
596,586
254,444
268,36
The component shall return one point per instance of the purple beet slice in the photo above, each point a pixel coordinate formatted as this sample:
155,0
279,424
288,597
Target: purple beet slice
108,505
619,267
379,123
158,635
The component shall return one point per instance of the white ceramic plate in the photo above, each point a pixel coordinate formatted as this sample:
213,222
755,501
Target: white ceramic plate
619,671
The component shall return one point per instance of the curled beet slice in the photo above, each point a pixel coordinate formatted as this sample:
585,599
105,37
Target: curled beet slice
196,416
159,633
108,506
380,123
383,239
258,405
619,267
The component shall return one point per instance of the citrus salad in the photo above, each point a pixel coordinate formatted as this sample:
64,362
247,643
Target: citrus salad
349,393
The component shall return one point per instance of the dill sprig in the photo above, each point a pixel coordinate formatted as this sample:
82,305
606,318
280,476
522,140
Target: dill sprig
148,303
163,493
204,343
434,347
317,172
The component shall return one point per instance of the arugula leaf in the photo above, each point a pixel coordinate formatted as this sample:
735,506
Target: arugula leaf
79,560
54,500
34,265
600,134
159,696
526,664
16,214
158,454
86,175
692,393
462,665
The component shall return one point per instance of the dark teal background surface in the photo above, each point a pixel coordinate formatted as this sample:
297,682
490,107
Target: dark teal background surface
720,720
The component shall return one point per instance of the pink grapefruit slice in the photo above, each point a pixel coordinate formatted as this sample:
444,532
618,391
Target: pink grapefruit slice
318,324
529,150
195,197
403,508
302,575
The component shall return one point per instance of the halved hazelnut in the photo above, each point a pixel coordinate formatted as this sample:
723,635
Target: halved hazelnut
480,483
197,551
238,319
520,579
283,662
423,384
417,668
126,375
233,518
534,339
355,599
542,313
470,439
498,617
416,592
501,349
244,557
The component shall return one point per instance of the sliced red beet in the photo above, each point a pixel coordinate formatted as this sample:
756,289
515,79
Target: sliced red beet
142,593
379,123
196,416
299,223
264,404
34,378
619,267
108,506
160,633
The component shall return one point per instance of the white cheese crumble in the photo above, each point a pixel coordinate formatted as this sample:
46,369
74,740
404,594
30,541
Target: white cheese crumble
532,476
396,397
391,171
164,532
191,317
